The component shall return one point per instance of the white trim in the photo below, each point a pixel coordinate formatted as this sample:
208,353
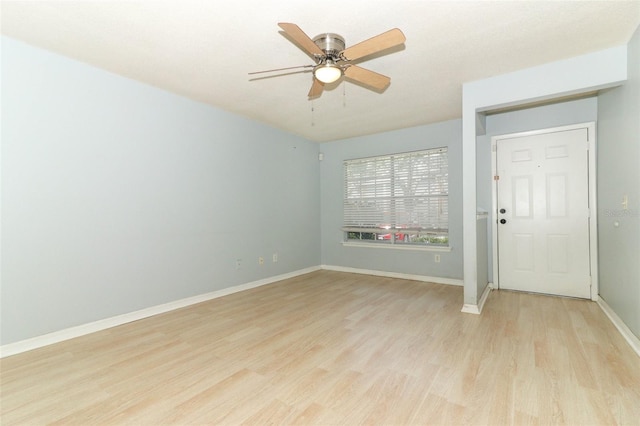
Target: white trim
92,327
593,211
494,209
626,332
484,297
398,246
593,219
436,280
469,308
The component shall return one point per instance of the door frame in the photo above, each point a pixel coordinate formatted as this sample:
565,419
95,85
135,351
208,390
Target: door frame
593,211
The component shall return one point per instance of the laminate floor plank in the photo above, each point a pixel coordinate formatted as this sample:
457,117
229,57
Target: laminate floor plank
337,348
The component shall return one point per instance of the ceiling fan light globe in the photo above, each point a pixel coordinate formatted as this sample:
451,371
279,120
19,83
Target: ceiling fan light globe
327,73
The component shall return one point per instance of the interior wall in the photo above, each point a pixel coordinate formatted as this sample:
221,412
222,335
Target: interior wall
523,120
117,196
619,176
410,262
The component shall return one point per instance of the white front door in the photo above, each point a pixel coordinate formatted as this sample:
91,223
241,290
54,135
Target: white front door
543,213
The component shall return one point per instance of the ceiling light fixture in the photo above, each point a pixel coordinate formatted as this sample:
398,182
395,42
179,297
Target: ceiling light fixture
327,72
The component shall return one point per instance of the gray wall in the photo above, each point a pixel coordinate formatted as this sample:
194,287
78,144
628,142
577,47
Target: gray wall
619,175
542,117
117,196
447,134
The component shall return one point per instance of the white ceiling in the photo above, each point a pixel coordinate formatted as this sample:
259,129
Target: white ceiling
204,50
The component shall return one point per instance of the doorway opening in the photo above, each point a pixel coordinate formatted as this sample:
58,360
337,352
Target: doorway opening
544,211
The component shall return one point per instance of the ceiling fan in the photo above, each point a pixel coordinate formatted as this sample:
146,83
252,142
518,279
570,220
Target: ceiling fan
333,61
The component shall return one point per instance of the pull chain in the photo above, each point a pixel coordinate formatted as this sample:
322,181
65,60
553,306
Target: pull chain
344,94
313,121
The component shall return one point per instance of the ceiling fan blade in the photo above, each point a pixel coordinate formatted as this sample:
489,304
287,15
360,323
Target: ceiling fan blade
303,40
281,69
367,77
375,44
316,89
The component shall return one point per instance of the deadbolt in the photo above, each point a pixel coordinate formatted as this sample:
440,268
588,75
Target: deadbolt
503,211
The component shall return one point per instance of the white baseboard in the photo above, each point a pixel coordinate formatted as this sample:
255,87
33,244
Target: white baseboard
626,332
484,297
469,308
437,280
92,327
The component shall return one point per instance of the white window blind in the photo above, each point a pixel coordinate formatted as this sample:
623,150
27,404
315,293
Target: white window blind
399,197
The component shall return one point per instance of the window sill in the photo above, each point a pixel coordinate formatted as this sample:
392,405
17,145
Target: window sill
397,246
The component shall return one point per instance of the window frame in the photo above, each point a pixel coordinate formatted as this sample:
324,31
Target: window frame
423,188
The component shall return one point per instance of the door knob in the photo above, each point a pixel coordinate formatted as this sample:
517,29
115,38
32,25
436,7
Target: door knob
503,211
503,221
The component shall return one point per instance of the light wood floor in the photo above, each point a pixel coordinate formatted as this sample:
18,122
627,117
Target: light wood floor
336,348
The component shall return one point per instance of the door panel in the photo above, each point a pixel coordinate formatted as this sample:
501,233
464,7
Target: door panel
557,196
523,252
558,253
522,205
543,233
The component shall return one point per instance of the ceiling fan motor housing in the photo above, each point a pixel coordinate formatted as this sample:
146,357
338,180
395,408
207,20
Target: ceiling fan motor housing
331,44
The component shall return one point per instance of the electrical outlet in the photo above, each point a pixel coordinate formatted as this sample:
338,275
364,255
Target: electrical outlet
261,260
275,257
436,258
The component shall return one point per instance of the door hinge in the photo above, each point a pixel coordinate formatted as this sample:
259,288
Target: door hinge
496,178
